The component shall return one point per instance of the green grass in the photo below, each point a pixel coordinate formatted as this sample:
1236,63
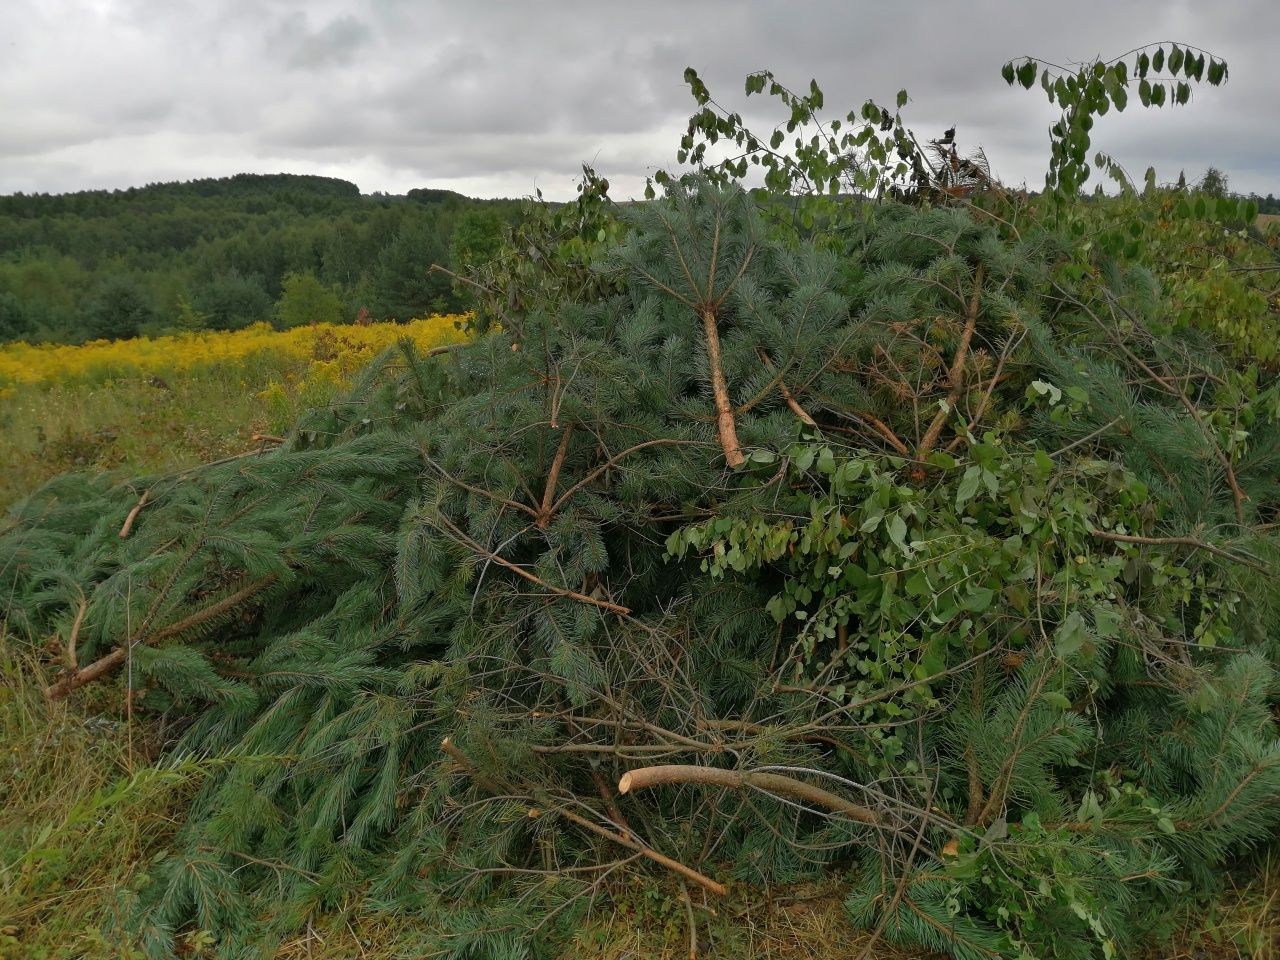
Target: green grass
130,426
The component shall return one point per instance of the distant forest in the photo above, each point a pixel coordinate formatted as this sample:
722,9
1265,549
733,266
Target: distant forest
225,253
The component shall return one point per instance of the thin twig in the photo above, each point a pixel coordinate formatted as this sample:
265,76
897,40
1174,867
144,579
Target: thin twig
436,268
532,578
1181,542
133,514
630,843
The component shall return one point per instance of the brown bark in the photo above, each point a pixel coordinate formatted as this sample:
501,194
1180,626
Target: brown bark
720,390
127,528
553,478
103,665
787,396
646,777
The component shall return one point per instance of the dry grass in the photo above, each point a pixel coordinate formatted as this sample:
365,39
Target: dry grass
1242,924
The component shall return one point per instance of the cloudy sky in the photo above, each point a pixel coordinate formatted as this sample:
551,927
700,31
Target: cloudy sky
496,99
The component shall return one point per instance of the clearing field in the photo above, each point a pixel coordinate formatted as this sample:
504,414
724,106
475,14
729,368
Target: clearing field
166,403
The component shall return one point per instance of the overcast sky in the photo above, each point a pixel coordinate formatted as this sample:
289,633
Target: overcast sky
497,99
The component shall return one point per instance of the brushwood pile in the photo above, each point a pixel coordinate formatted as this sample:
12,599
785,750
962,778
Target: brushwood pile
925,556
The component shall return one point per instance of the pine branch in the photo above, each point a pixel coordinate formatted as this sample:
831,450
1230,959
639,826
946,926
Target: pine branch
127,528
720,390
1168,384
792,405
553,478
105,665
956,376
613,461
532,578
75,633
955,379
620,837
648,777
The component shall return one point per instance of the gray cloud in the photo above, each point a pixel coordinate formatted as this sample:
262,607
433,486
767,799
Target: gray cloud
337,43
498,98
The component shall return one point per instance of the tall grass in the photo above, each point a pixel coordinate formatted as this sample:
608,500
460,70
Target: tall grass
82,811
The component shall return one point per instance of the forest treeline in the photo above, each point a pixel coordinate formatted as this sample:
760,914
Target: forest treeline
228,252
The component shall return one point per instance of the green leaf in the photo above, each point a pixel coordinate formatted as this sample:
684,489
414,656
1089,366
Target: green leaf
1157,61
1071,635
978,599
968,486
1175,60
1007,72
1055,699
902,99
897,530
873,520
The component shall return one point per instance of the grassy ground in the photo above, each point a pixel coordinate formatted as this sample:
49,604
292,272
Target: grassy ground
82,810
127,425
155,405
